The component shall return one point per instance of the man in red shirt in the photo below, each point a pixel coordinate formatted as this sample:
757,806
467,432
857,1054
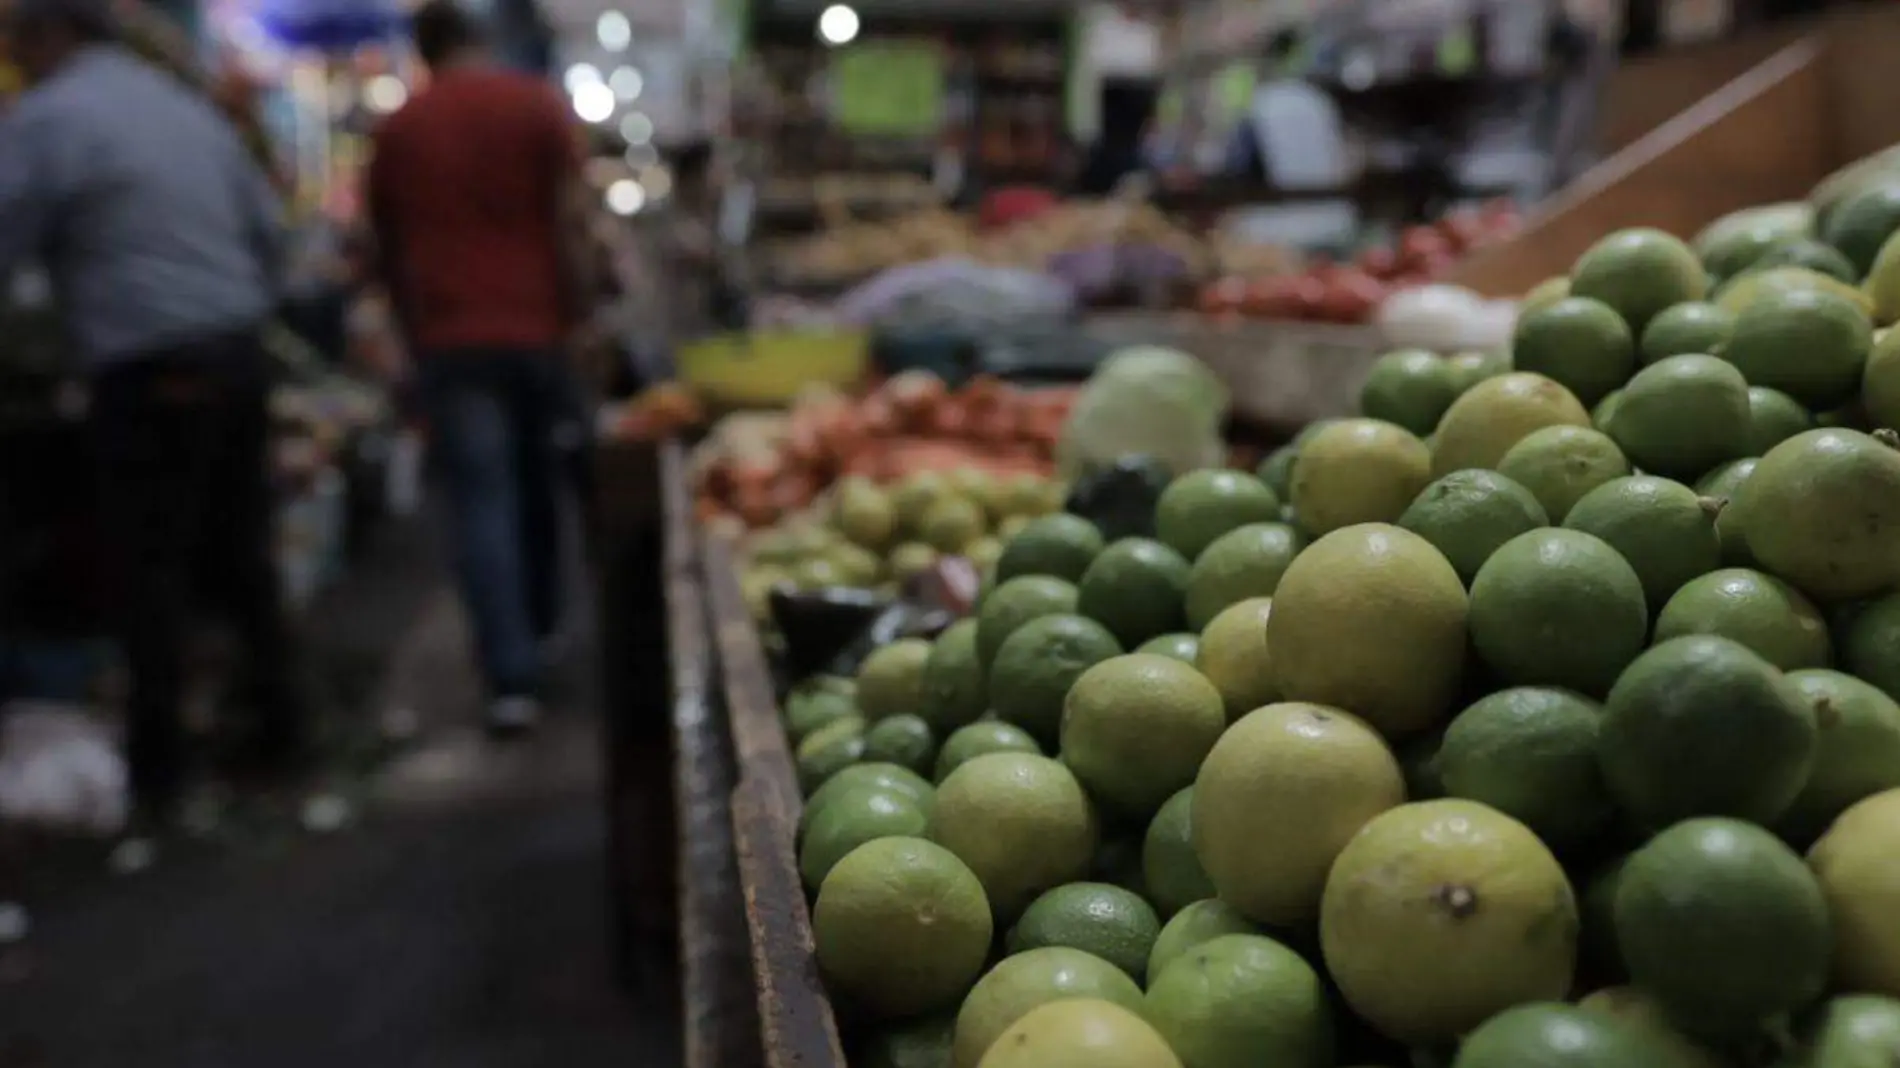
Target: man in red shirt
475,197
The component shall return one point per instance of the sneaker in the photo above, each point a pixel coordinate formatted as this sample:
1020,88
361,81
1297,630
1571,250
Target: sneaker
513,715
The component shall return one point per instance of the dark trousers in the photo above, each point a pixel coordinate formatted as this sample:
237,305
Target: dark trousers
186,507
493,419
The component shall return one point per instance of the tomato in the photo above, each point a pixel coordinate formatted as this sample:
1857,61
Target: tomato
1379,262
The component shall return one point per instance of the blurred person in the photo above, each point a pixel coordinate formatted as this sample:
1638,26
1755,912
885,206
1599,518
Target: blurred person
480,216
162,239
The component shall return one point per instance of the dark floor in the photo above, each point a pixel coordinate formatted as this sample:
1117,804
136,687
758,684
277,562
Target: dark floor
459,922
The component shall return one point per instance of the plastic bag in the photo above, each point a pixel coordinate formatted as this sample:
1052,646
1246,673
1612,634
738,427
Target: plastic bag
1146,400
60,770
1120,500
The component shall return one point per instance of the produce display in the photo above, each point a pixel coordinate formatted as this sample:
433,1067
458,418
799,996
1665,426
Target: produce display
1544,712
760,468
1352,292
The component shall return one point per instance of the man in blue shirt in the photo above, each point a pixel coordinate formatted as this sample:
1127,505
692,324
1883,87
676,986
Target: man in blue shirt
161,237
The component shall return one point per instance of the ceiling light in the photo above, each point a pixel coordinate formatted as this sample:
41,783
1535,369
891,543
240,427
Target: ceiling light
838,25
594,102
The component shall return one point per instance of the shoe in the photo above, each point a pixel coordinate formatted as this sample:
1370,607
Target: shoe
513,715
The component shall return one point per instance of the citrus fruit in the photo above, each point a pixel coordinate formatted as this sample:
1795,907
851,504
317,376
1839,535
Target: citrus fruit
1434,882
1721,485
1183,646
1358,471
864,513
1037,665
1371,619
1233,656
955,691
1241,564
1277,470
1080,1033
905,740
1556,1035
1490,417
1058,544
911,559
1858,865
1691,327
1605,409
1558,608
1822,510
1410,388
1740,293
1015,602
807,712
1729,244
921,1043
1170,870
1530,753
1579,343
1857,752
1760,611
1198,922
1810,344
1701,725
1466,515
1239,1001
979,739
1544,294
1723,925
1202,505
1277,799
1773,417
1880,382
851,819
828,750
887,778
900,927
1661,528
1107,921
1870,645
1597,909
1682,415
951,523
1639,1012
1135,729
1559,464
891,679
1135,588
1862,222
1639,272
1855,1030
1030,980
1021,822
1470,368
1814,255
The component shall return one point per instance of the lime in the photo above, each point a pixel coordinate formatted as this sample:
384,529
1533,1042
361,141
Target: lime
1580,343
954,689
1639,1012
888,778
1015,602
923,1043
1556,1034
1200,506
1880,382
829,750
981,738
1721,486
1773,417
891,679
1358,471
1096,918
1021,822
1197,923
1683,415
915,496
1080,1033
1605,410
851,819
807,712
1857,751
1277,470
905,740
864,513
1483,424
1470,368
1662,528
1811,254
1233,656
1037,665
1870,645
1855,865
1135,729
1172,873
1467,515
1183,646
1558,608
1760,611
1822,510
1240,1001
1639,272
900,927
1239,565
1851,1030
1559,464
1058,544
1530,753
1689,328
1863,222
1030,980
1135,588
1809,344
1410,388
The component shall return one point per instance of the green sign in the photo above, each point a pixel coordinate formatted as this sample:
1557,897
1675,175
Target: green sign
890,89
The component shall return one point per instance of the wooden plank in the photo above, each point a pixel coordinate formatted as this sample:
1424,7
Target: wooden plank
1647,92
796,1023
1757,140
720,1026
1862,41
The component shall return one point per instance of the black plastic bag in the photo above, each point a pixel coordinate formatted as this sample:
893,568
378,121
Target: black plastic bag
1120,499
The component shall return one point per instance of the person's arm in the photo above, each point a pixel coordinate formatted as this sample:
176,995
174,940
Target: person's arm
26,200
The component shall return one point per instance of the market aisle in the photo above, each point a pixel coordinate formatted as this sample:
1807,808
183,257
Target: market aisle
462,924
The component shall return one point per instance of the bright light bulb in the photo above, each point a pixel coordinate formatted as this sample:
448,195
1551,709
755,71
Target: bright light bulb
626,84
838,24
636,128
594,102
578,75
384,93
625,197
614,31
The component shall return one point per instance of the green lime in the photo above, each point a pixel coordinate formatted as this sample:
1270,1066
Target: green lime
1559,464
923,1043
1243,1000
900,927
1058,544
1183,646
981,738
891,679
1760,611
1022,983
1172,873
1136,728
1530,753
1358,471
848,821
1021,822
807,712
1580,343
1096,918
1233,655
1039,663
1200,506
1822,511
1870,645
1551,1033
1773,417
1686,329
1470,368
1809,344
905,740
1015,602
1467,515
882,777
1410,388
1662,528
1277,470
1640,272
1239,565
1483,424
1681,416
955,691
1135,588
1811,254
829,750
1721,485
1880,381
1196,923
1558,608
1857,752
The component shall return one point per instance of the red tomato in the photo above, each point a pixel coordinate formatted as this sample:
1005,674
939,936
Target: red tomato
1352,298
1224,295
1379,262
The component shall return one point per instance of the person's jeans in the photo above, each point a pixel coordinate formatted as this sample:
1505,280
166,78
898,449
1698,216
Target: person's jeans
186,509
493,416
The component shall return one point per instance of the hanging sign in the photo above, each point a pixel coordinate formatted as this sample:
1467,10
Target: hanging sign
887,89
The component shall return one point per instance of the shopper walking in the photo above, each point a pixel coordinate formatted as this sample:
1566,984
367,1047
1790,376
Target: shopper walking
161,236
477,205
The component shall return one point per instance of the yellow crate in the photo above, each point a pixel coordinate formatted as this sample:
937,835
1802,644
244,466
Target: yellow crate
767,369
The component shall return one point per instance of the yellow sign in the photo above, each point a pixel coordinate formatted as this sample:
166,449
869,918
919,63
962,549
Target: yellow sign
888,89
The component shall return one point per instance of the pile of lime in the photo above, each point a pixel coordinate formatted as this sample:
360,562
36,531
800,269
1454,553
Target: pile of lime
1547,712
